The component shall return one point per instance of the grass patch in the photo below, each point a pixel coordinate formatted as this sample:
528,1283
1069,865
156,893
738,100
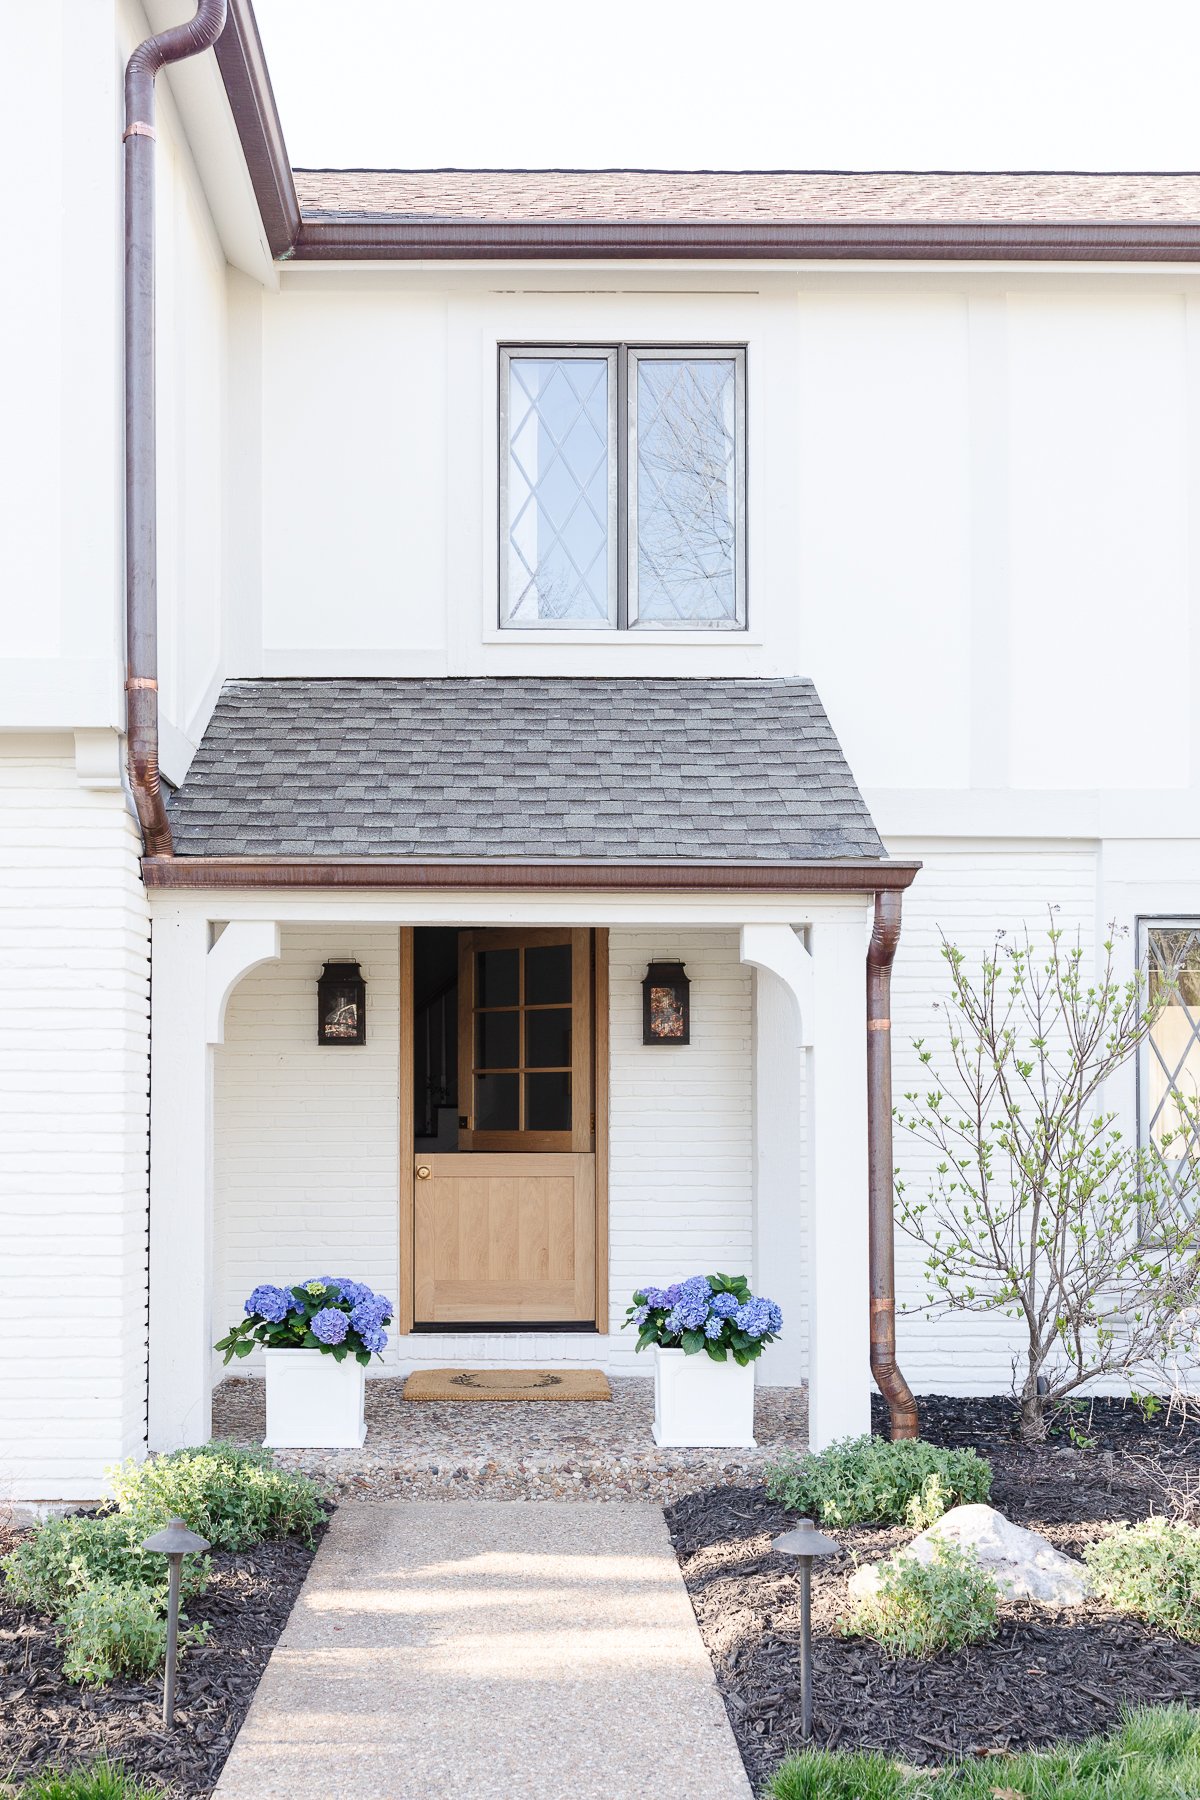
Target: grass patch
1154,1755
869,1481
101,1780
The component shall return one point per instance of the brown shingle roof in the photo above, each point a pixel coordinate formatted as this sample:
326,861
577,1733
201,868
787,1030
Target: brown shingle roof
786,196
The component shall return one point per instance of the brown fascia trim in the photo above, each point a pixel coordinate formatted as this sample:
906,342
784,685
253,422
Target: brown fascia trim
408,240
243,67
201,872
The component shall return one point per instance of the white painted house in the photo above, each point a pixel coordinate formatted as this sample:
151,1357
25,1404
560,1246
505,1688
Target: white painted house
557,574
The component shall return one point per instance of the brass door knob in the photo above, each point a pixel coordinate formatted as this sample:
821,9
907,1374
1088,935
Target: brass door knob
423,1171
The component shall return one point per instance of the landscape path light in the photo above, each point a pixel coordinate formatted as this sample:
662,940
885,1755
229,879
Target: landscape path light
804,1543
174,1542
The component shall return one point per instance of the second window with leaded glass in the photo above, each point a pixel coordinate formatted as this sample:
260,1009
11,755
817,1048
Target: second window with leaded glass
622,488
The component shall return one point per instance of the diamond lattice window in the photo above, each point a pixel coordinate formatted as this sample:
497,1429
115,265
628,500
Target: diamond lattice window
1171,1060
622,474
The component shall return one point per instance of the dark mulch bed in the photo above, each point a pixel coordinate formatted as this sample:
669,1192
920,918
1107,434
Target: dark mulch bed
1048,1675
46,1720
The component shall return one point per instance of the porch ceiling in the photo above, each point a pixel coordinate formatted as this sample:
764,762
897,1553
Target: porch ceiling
667,778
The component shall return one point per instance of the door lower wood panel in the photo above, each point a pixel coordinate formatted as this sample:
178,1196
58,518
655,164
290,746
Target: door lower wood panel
505,1239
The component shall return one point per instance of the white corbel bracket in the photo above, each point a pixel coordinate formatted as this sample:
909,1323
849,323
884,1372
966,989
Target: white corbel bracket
779,949
242,945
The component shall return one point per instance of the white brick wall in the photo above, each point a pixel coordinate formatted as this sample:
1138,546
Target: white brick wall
681,1163
305,1138
970,893
74,990
305,1141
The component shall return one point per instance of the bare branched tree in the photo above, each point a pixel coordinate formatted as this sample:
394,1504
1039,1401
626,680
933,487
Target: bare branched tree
1037,1206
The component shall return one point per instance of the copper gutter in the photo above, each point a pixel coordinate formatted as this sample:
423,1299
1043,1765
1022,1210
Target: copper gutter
881,1169
141,482
203,872
381,238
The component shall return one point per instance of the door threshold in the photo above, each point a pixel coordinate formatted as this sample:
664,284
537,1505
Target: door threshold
495,1326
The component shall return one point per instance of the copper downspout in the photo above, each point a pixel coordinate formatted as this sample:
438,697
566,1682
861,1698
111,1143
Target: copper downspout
880,1168
141,545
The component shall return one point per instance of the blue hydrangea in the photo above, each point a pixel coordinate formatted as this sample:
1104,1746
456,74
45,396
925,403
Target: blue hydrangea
754,1318
375,1339
369,1314
330,1325
724,1305
270,1303
352,1292
774,1316
696,1288
715,1326
385,1306
640,1315
655,1296
673,1294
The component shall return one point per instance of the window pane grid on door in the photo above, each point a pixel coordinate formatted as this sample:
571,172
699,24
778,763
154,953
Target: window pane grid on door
521,1066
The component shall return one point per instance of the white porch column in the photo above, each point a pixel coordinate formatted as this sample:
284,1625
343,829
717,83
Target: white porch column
180,1185
783,1023
839,1354
190,985
781,1248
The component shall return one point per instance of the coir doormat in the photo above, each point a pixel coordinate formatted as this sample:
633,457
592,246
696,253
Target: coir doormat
507,1384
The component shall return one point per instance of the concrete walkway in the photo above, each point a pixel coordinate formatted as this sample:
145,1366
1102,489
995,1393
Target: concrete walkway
489,1650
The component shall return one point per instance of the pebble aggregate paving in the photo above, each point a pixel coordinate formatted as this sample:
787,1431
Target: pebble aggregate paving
519,1450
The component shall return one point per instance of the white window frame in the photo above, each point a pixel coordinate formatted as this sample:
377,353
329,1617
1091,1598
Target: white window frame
623,359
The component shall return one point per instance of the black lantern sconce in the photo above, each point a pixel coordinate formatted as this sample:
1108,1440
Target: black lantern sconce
666,1006
341,1004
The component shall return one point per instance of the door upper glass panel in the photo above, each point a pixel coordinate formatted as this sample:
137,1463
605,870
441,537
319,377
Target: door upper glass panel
528,1044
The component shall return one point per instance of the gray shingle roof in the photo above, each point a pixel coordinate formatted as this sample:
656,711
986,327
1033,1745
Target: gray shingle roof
780,195
522,767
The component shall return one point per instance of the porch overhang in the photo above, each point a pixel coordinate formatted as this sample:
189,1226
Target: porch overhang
849,876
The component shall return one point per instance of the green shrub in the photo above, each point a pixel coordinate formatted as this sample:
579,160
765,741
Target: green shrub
868,1480
1151,1569
102,1780
63,1557
234,1497
111,1629
924,1607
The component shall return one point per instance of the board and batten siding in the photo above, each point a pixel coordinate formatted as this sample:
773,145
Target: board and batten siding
74,1075
306,1139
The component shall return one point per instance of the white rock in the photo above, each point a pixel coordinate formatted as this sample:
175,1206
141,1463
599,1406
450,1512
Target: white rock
1023,1564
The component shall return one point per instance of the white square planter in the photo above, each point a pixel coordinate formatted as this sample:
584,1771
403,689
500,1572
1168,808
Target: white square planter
701,1403
313,1402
